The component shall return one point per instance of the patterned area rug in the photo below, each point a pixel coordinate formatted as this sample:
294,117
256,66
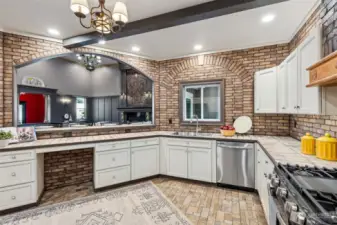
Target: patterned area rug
141,204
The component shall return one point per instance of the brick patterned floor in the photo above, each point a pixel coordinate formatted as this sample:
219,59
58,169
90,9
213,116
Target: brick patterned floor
203,204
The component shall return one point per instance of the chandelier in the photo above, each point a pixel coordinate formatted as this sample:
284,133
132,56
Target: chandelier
90,61
101,19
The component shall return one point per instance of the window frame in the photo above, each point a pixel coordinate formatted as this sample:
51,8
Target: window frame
202,85
85,108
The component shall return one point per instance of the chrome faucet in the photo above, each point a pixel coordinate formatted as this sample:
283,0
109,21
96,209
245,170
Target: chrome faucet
197,128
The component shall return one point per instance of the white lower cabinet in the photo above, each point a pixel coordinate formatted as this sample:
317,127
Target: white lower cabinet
189,162
200,164
144,161
177,161
113,176
264,167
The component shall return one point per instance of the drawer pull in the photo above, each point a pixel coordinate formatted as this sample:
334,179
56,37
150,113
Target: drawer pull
113,159
13,197
13,174
114,146
13,157
113,177
266,162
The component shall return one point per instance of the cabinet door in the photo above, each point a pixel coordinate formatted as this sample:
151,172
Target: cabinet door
262,180
265,91
309,53
292,72
177,161
200,164
282,89
145,161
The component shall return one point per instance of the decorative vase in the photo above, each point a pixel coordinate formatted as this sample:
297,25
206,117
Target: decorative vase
4,143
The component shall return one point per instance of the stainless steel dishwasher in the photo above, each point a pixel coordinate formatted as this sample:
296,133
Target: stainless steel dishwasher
236,164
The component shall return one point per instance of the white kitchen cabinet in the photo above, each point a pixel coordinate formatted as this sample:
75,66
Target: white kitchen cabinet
200,164
309,52
264,168
177,161
266,91
282,88
144,161
291,64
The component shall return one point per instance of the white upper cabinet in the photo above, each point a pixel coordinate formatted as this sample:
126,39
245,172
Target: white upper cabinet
266,91
309,52
284,90
291,64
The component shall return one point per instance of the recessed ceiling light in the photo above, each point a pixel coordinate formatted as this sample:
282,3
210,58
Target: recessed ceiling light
53,31
101,42
268,18
197,47
79,58
135,49
98,57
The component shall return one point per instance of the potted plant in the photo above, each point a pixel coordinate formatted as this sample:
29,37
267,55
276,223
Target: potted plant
4,138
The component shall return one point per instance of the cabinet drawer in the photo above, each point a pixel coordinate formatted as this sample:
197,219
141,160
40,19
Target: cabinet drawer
112,146
145,142
112,176
17,196
110,159
16,173
7,157
189,143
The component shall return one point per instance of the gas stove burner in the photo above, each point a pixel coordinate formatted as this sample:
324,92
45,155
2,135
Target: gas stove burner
327,200
311,171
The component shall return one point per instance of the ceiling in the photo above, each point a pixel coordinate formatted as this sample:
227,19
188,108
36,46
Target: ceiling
234,31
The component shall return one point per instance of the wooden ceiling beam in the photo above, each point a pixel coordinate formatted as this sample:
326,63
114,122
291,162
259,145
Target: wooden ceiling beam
179,17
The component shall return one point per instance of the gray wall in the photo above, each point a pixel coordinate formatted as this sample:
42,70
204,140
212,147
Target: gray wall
103,83
73,79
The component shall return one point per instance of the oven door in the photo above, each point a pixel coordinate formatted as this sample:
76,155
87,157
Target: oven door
274,213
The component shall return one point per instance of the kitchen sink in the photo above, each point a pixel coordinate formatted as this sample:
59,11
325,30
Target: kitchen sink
192,134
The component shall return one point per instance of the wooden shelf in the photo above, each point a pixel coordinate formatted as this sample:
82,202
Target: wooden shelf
327,81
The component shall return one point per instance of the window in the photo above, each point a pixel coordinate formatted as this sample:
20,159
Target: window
81,105
202,100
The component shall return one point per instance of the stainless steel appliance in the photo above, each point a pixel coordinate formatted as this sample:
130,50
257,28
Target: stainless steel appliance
236,164
302,195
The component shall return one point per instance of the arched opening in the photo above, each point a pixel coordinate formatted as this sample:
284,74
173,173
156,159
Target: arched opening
78,89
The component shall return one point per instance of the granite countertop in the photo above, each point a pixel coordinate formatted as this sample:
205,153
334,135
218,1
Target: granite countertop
280,149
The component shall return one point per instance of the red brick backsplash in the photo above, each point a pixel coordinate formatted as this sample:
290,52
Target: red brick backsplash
68,168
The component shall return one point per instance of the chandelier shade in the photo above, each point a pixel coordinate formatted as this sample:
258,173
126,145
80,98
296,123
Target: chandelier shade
101,19
80,7
120,13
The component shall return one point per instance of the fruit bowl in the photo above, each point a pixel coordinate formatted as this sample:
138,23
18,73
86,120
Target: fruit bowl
227,131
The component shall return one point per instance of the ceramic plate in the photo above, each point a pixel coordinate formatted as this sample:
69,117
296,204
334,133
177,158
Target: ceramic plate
242,124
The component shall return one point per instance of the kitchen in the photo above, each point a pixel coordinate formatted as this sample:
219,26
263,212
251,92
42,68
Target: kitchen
182,98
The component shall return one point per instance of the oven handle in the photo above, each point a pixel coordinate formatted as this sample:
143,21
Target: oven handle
280,219
278,215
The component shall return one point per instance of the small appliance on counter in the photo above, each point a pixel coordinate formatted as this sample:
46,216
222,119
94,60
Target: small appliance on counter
302,195
326,148
308,144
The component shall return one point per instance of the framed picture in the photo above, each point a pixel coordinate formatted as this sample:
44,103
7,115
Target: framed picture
26,134
13,130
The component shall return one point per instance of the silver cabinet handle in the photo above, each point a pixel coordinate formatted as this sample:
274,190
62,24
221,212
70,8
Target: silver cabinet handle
13,197
114,146
13,157
295,107
266,162
283,107
113,159
265,175
113,177
257,109
13,174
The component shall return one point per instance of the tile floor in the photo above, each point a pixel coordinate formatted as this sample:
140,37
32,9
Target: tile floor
203,204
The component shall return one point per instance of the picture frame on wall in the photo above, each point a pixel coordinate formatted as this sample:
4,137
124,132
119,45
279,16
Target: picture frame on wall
26,134
13,130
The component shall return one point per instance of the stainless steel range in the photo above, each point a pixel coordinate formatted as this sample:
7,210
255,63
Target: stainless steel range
301,195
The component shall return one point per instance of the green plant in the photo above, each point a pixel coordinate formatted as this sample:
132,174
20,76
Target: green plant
5,135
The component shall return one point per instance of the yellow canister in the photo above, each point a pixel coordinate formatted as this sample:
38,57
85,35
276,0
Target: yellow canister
326,148
308,144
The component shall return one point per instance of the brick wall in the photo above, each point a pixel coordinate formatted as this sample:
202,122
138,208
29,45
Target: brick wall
237,68
68,168
317,124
